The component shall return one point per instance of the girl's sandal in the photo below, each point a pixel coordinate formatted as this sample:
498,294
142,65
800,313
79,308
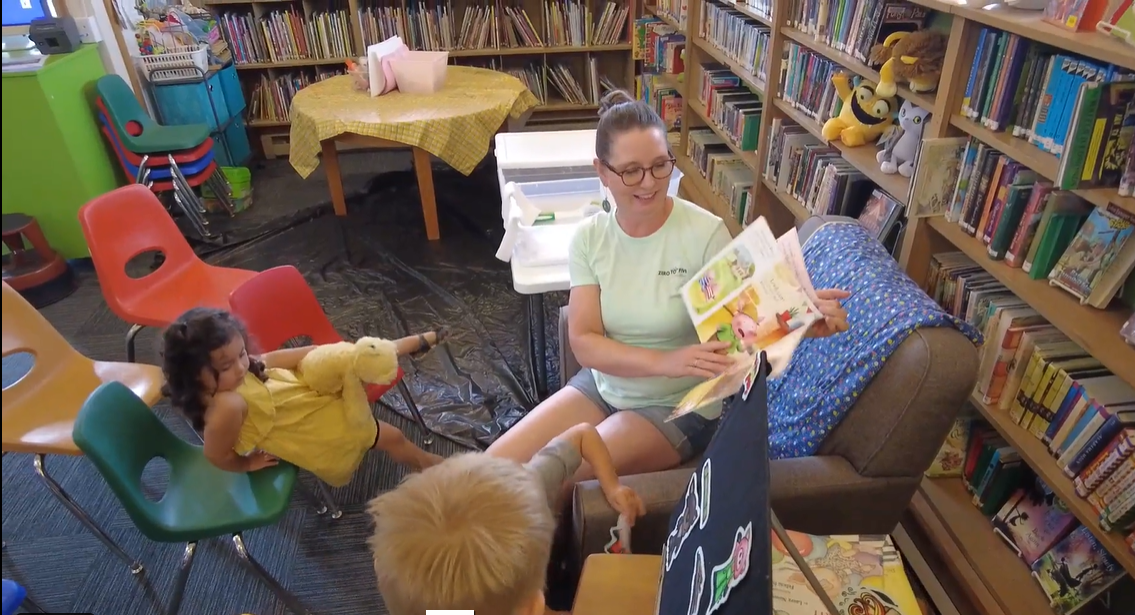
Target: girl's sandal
425,345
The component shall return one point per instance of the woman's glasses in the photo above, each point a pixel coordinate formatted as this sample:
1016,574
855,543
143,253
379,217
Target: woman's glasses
634,177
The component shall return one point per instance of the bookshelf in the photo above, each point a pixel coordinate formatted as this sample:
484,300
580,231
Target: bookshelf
994,580
280,46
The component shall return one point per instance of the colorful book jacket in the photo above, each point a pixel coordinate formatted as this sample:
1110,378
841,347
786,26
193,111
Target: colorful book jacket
1075,571
847,567
1093,250
1033,521
949,460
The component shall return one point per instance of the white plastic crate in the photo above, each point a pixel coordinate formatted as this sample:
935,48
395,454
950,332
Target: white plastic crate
177,63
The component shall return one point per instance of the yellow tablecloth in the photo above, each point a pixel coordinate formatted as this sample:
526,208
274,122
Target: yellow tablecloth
454,124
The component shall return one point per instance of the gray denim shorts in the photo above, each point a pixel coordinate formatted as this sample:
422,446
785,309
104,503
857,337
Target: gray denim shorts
688,434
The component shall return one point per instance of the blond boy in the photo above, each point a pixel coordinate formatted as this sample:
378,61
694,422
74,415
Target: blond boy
475,532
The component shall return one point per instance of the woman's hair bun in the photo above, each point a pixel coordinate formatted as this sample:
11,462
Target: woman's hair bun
613,99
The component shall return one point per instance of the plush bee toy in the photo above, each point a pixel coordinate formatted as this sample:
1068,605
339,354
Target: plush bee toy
865,115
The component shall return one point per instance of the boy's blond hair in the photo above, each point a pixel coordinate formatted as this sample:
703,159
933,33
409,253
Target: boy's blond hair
473,532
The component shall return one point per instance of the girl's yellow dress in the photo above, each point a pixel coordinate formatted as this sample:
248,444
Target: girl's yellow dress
319,433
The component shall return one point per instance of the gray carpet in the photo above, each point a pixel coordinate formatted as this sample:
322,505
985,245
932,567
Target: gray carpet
325,562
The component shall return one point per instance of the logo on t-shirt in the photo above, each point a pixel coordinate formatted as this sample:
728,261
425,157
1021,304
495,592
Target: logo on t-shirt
673,271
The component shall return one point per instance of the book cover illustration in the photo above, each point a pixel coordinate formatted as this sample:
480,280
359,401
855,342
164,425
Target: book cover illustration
949,460
850,570
879,214
1093,250
1075,571
1035,520
936,174
756,296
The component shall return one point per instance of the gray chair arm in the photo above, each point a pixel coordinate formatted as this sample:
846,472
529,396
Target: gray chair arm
819,495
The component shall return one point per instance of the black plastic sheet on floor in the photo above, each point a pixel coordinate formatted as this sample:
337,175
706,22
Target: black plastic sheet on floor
376,274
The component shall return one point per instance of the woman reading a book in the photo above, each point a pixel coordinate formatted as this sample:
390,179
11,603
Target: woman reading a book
628,325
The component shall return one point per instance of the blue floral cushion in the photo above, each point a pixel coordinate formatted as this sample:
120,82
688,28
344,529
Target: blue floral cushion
827,375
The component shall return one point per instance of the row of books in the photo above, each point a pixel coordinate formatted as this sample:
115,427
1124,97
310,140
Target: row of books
726,172
1065,558
659,46
1047,384
566,23
1050,234
660,93
730,105
1066,105
287,35
547,78
271,99
678,10
740,37
814,173
806,82
855,26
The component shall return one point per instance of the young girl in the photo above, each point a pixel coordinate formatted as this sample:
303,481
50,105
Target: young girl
252,411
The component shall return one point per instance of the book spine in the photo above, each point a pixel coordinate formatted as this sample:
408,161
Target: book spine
1111,484
1099,440
1104,464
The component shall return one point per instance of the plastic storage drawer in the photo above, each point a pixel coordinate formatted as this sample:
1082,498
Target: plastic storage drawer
236,150
230,86
193,103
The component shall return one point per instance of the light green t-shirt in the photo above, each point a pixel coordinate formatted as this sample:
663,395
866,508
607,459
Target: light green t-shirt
640,279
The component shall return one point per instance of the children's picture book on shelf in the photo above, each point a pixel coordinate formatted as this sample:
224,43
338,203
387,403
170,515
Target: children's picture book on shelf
936,170
880,214
1119,21
755,295
1098,260
1033,520
1076,570
948,461
1075,15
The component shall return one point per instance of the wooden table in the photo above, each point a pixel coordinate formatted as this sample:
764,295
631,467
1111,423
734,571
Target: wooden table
618,585
330,148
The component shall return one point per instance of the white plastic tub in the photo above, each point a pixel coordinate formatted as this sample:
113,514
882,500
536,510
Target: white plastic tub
420,72
542,217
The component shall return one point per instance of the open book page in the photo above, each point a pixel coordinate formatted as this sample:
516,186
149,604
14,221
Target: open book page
756,296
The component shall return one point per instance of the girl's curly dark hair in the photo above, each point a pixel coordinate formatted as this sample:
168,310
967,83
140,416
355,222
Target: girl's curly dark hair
186,348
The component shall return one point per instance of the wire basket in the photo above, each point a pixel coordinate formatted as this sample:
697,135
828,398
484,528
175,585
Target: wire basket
177,63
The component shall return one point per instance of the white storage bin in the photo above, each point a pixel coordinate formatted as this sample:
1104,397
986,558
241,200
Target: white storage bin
420,72
542,218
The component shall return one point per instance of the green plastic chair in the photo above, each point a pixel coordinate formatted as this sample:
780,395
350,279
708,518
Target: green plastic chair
121,109
119,433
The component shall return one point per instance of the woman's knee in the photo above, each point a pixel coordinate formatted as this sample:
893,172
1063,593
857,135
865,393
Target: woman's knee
563,410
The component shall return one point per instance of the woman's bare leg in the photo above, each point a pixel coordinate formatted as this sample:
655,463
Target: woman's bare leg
564,409
636,445
393,442
414,343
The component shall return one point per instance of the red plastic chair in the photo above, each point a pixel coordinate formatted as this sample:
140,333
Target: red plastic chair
129,221
257,303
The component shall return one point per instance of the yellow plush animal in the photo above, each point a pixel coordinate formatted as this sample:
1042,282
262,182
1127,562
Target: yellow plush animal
865,115
332,368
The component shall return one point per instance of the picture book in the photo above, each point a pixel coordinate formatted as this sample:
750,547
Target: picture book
948,461
756,296
849,568
1076,570
1099,245
879,214
1033,520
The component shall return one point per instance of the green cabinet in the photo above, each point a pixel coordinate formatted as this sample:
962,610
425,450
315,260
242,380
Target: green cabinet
55,158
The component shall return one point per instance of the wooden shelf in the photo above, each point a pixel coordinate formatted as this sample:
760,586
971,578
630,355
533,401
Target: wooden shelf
1038,160
750,158
794,206
268,123
862,157
1036,454
664,16
1030,25
526,51
747,78
925,101
717,205
751,12
292,63
997,581
1097,331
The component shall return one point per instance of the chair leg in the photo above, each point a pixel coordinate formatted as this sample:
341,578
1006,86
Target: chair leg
404,391
312,498
289,600
81,515
130,335
327,499
182,578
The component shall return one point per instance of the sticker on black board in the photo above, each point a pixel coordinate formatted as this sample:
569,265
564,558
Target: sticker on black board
753,376
686,522
728,574
697,584
706,483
